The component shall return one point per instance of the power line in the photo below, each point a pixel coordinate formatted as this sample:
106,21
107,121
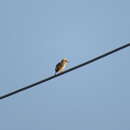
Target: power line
68,70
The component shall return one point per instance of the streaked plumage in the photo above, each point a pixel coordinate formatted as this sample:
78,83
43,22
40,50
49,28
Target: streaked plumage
61,65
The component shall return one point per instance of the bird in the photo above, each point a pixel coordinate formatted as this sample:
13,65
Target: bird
61,65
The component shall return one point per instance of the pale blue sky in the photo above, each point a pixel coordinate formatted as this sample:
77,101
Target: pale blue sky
35,35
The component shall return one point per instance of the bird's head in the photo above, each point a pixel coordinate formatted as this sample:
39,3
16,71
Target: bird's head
65,60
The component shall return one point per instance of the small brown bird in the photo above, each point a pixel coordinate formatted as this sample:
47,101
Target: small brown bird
61,65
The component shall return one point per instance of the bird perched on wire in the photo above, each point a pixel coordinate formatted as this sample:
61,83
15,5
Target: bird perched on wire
61,65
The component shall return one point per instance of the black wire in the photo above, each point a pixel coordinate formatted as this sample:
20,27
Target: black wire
71,69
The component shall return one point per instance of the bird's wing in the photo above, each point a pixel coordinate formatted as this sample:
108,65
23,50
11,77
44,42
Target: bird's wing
58,67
